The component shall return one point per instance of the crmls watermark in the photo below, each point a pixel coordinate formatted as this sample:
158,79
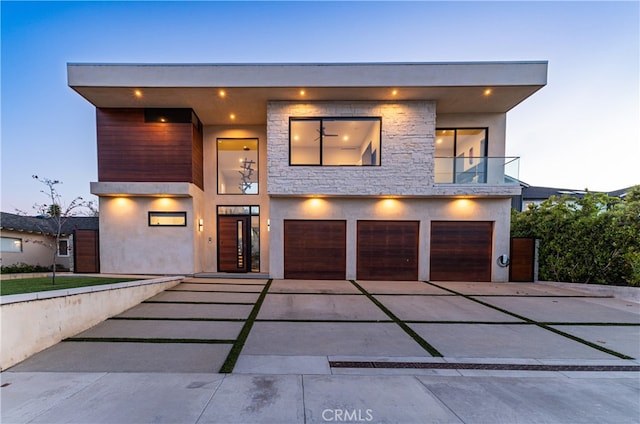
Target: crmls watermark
347,415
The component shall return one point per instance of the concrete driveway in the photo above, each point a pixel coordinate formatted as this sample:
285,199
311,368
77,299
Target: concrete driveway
389,351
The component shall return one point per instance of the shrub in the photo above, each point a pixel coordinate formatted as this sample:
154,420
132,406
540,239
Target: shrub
21,268
595,239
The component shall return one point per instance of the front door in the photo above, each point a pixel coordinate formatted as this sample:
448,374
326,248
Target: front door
234,244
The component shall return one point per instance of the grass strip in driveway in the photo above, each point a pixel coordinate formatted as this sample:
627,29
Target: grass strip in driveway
539,324
232,358
422,342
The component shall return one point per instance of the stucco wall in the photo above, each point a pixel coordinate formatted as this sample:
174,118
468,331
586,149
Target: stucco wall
129,245
208,239
34,325
423,210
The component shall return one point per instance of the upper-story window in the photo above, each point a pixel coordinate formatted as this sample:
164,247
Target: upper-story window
461,155
237,166
335,141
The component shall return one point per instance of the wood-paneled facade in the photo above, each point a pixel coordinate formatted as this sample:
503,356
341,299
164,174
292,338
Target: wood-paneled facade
130,149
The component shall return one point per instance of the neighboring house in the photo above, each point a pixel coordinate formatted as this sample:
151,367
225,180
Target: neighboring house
392,171
31,239
534,195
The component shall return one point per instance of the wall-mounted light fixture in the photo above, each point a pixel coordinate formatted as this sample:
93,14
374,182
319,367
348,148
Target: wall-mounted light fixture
268,225
201,225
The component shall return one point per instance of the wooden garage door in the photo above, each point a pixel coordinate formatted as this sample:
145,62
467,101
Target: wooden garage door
388,250
461,251
315,249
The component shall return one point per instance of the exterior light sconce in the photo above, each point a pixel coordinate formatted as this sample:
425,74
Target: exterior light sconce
201,225
268,225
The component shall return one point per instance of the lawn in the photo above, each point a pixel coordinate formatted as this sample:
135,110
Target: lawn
31,285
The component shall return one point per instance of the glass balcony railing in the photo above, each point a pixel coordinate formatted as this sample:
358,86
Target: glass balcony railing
477,170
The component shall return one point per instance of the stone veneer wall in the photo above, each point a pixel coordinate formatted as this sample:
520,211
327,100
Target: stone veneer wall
407,150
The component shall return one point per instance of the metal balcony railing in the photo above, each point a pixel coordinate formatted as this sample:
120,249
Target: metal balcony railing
477,170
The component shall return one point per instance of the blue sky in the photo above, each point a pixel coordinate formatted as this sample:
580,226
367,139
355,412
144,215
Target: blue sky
581,131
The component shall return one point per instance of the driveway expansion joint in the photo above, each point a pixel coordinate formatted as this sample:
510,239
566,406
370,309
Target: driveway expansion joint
539,324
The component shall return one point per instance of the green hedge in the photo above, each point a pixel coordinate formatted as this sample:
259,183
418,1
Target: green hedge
595,239
22,268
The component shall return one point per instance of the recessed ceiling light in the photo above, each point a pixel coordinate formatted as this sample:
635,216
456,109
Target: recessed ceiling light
345,138
439,141
487,92
296,137
137,93
302,92
232,116
222,93
394,92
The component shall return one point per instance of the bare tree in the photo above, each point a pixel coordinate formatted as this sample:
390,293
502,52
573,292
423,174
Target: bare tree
57,213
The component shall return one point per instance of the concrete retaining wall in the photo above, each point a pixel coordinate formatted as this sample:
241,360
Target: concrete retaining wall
32,322
631,294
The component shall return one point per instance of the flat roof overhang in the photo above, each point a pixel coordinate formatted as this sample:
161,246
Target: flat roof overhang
456,87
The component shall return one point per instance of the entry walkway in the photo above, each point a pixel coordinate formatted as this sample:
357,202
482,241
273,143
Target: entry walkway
217,350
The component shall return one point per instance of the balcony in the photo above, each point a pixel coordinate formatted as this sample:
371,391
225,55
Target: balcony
477,170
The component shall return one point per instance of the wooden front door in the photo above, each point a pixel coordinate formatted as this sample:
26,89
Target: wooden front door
234,245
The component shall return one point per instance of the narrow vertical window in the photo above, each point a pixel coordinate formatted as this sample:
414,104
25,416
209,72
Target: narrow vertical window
63,248
237,166
240,243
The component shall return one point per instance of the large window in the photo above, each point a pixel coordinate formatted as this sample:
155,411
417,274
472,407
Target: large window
10,244
335,141
461,155
237,166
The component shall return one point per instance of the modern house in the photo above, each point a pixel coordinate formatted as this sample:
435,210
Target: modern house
393,171
31,240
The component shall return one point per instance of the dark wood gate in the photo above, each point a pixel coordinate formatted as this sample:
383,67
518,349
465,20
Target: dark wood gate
522,263
86,251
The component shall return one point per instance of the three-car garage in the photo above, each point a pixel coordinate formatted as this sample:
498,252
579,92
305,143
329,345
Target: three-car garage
388,249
